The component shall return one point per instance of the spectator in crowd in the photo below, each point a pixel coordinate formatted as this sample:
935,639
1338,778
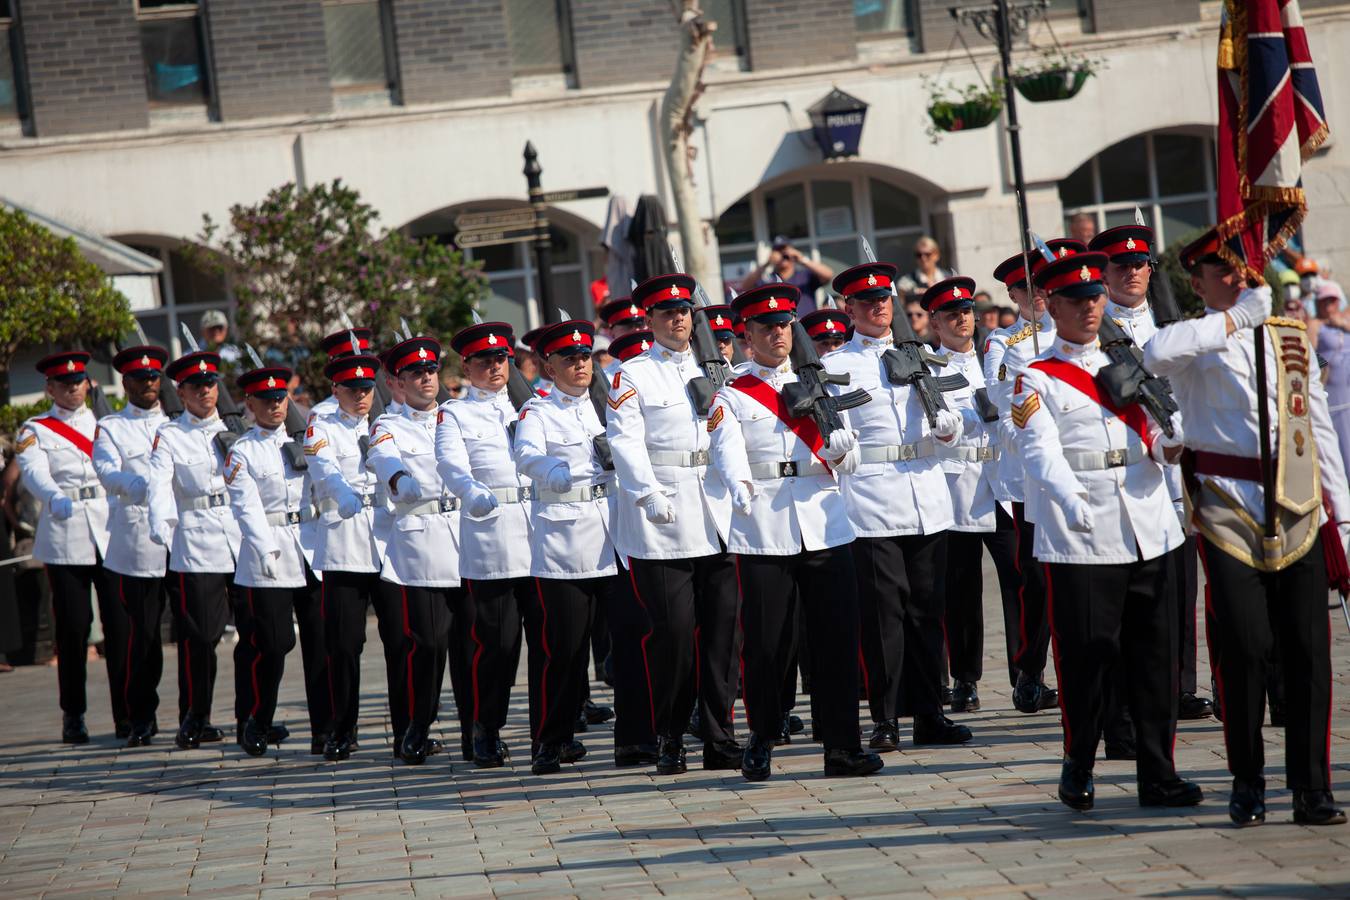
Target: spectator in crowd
986,316
216,337
793,267
927,270
1329,332
1083,227
600,355
300,395
1007,314
918,320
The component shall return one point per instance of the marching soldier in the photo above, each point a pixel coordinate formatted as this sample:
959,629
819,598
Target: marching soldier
829,329
1262,592
572,556
55,453
623,316
473,457
270,495
901,508
791,537
969,466
1027,628
122,443
338,345
719,320
1105,531
189,513
349,551
670,522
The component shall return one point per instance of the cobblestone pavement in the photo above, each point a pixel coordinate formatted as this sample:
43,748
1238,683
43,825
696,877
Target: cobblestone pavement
980,820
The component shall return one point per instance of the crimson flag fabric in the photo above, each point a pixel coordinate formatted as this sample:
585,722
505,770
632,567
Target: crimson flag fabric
1270,121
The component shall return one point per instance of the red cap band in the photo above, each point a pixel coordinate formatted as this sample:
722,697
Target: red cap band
67,367
201,368
1081,275
1012,277
674,292
421,356
862,284
487,342
144,362
1130,245
827,327
355,373
768,305
577,338
955,295
271,383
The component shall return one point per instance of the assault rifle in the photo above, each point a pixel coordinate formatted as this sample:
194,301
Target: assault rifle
809,396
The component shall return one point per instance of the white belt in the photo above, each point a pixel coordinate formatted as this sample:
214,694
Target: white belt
688,459
971,454
330,505
427,507
291,516
575,495
1095,460
83,492
513,494
788,468
898,452
205,501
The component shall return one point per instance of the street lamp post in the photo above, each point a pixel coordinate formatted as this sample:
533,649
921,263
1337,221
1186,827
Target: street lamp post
543,242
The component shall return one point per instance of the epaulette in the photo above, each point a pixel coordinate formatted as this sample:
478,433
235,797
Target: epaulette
1282,322
1021,335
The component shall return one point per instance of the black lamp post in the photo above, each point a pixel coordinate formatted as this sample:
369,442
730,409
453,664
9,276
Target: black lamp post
543,242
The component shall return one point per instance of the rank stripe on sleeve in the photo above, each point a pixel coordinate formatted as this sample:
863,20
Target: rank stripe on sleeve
615,404
715,419
1025,409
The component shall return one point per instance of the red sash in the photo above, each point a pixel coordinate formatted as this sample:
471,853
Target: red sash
1079,379
803,427
81,442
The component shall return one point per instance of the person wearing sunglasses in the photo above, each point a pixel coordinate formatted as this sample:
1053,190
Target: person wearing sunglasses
927,271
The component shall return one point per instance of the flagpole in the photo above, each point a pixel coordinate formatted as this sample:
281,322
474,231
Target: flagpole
1270,545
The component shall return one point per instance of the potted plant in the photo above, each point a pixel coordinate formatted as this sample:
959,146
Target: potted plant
1055,76
961,109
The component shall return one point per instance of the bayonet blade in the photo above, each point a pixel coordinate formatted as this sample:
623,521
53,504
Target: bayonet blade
187,333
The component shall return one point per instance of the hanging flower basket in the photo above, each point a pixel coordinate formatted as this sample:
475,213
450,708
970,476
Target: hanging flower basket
1058,83
965,114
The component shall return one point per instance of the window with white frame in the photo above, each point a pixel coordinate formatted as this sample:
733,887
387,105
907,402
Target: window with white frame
172,52
1168,175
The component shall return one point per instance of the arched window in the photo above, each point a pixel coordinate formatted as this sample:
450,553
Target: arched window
181,293
1169,176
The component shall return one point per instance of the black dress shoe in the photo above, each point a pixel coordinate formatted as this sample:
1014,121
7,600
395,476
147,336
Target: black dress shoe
73,730
1247,803
628,755
1317,808
795,724
755,761
596,714
547,760
277,733
965,697
338,748
572,751
1031,695
210,734
784,735
433,746
1075,787
946,695
189,733
885,736
722,757
1170,793
851,763
413,751
317,743
488,750
1121,750
141,734
122,730
939,730
671,760
1189,706
254,738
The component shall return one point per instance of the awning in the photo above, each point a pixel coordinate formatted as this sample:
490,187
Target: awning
112,257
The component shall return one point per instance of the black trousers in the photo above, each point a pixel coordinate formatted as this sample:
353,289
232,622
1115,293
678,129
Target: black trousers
558,625
267,619
425,616
1033,621
687,653
901,599
1108,617
142,599
200,602
825,582
345,599
1187,569
73,618
490,642
964,620
629,625
1254,612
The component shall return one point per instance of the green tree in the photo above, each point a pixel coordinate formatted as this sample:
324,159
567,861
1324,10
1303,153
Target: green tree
309,256
51,294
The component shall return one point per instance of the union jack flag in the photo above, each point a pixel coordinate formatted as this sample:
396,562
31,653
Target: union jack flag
1270,121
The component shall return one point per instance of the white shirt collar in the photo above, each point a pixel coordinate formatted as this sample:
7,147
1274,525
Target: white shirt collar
957,355
137,413
348,419
867,342
665,354
485,396
65,415
565,399
420,415
1119,311
1071,351
197,422
764,373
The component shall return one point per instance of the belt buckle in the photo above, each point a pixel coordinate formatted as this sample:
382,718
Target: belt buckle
524,493
699,458
787,469
87,493
908,453
986,454
449,504
1115,459
215,500
599,491
292,518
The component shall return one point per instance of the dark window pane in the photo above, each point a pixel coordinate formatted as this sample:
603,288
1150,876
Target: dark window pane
9,91
786,208
570,294
160,4
156,328
192,285
735,226
172,53
535,37
892,207
565,246
1116,217
500,257
881,16
897,249
839,255
1181,164
506,302
833,202
727,38
1182,219
355,44
1063,7
5,10
1125,171
1076,190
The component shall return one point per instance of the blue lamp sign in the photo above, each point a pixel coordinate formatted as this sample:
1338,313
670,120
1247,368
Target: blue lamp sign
837,124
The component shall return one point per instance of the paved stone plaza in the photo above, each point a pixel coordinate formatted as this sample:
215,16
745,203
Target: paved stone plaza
981,820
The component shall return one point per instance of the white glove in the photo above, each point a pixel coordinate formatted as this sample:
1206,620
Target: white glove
62,508
406,488
135,490
1252,308
949,425
741,495
1343,528
1162,443
658,509
841,441
481,501
1078,515
348,504
559,479
160,536
267,566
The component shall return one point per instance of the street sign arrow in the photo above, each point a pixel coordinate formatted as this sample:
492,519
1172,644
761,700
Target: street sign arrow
487,237
504,218
578,194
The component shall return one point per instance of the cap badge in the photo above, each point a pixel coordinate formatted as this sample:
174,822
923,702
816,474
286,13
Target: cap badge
271,382
674,290
202,365
360,372
576,336
145,361
421,352
1063,252
1129,245
872,280
1085,274
492,339
773,303
718,320
829,324
956,293
70,365
646,346
633,310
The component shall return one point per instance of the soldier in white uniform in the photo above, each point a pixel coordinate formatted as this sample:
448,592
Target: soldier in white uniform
672,514
1262,593
421,563
270,495
719,320
622,316
55,453
571,551
338,345
473,457
1027,628
969,464
122,443
829,329
789,532
189,513
1105,529
349,552
901,508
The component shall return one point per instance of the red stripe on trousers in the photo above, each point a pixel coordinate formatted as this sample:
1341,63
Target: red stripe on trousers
740,622
257,658
131,634
478,649
412,649
548,658
187,647
646,664
1059,677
